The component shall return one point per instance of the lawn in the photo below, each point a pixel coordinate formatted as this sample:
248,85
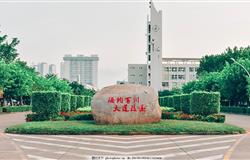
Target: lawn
90,127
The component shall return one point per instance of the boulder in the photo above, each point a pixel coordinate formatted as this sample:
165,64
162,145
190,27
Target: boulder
126,104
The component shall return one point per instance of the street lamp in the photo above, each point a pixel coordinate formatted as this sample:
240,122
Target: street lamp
241,66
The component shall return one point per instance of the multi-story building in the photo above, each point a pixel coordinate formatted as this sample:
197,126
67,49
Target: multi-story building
161,73
80,68
52,69
178,71
43,68
137,74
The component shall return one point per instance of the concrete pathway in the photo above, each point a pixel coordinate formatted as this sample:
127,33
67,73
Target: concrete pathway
8,148
241,149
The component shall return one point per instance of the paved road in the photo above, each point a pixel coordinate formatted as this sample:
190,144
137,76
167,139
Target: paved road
52,147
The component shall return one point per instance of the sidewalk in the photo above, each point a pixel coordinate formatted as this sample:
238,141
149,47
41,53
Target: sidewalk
241,150
8,149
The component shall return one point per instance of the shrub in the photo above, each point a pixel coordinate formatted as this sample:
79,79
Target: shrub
165,100
1,109
80,101
177,102
167,109
248,111
17,108
79,117
238,110
84,109
185,103
73,102
205,103
170,101
87,101
35,117
219,118
65,103
46,103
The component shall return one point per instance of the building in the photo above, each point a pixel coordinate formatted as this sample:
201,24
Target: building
137,74
52,69
80,68
178,71
161,73
43,68
154,48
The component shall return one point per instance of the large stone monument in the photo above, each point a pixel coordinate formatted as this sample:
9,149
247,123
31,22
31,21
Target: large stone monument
126,104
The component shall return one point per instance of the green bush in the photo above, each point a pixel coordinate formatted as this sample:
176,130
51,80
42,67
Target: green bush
248,111
35,117
79,117
205,103
219,118
80,101
16,108
185,103
170,101
165,101
65,103
46,103
87,101
73,102
177,102
84,109
234,109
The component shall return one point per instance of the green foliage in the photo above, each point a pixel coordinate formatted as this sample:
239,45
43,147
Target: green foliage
79,89
79,117
1,109
65,103
205,103
167,109
216,63
216,118
73,102
170,101
185,103
46,103
234,109
87,100
89,127
80,101
8,52
84,109
169,93
177,102
17,108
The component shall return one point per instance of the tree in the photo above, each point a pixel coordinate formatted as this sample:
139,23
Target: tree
216,63
79,89
8,52
169,93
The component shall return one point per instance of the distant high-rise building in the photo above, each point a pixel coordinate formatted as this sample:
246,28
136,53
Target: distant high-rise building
80,68
43,68
52,69
137,74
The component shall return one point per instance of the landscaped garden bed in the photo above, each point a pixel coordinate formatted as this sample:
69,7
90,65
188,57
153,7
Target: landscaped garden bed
10,109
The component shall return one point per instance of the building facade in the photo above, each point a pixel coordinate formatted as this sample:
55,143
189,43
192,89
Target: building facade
80,68
161,73
154,48
137,74
52,69
178,71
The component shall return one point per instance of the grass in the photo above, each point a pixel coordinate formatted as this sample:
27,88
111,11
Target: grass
90,127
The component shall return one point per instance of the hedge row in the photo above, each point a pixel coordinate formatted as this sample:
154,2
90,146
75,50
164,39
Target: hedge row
48,104
235,109
200,103
10,109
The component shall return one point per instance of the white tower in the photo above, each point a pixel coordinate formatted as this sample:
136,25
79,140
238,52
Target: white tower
154,48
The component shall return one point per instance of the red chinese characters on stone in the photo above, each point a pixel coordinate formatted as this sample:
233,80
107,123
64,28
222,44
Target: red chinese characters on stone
127,104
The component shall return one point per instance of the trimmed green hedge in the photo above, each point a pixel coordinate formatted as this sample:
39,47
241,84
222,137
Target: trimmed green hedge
177,102
1,109
73,102
185,103
46,103
16,108
80,101
170,101
65,103
205,103
87,101
235,109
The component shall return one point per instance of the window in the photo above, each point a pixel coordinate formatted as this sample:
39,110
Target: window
191,69
149,48
149,38
181,76
140,75
149,59
167,69
132,75
174,76
140,67
174,84
181,69
149,28
196,68
174,69
165,84
131,67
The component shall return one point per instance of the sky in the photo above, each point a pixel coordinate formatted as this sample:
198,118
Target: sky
115,30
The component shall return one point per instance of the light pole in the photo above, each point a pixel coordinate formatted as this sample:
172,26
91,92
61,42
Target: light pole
241,66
